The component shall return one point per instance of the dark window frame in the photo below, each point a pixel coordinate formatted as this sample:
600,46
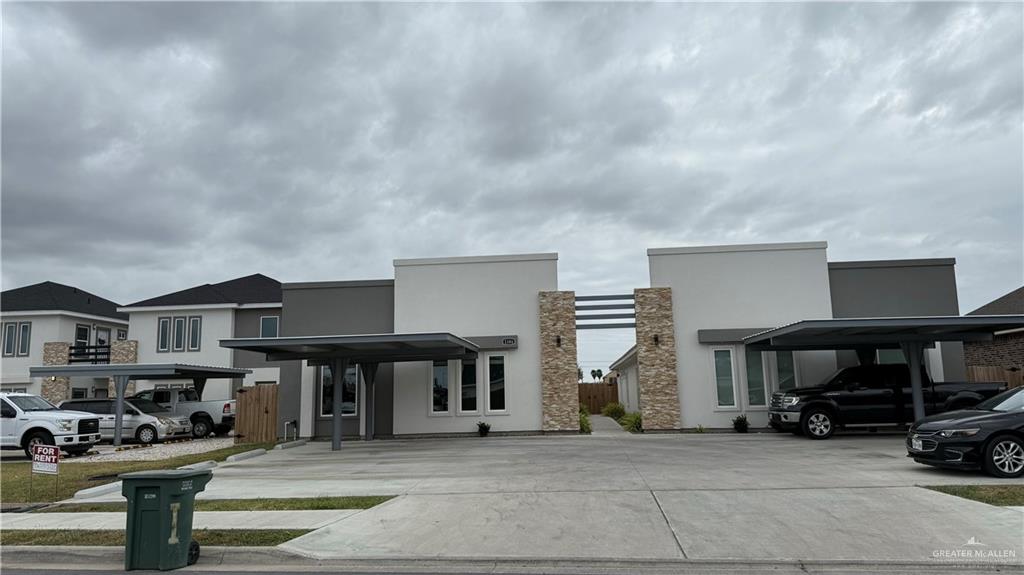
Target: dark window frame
10,338
174,333
160,322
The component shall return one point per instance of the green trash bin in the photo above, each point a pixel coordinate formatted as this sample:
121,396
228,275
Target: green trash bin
160,506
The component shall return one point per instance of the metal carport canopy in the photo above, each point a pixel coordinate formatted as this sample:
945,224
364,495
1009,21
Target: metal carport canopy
125,372
911,334
367,350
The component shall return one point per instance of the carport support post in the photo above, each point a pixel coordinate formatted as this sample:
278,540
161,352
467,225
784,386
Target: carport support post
912,351
121,384
338,369
369,375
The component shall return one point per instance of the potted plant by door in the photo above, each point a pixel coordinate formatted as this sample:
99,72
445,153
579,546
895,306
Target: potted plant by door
483,428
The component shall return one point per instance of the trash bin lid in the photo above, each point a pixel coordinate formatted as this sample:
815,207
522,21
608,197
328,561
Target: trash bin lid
166,474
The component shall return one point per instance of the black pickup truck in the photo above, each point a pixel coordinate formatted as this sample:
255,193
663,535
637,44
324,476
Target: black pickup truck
869,396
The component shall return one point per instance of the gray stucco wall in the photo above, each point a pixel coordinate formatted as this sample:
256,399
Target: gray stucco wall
898,288
338,308
247,324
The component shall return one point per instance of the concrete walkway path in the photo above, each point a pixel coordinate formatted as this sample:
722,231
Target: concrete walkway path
601,425
307,519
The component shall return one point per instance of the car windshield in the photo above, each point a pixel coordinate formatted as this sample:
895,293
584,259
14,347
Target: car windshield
1012,400
148,406
31,403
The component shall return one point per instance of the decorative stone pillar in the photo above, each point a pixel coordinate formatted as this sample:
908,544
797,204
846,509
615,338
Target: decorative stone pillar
656,359
123,351
560,394
56,389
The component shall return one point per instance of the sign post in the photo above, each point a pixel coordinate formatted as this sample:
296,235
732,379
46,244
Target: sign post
46,460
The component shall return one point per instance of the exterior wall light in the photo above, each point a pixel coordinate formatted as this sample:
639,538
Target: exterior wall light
656,340
558,341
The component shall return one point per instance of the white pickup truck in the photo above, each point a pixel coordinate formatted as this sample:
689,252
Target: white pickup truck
214,416
30,420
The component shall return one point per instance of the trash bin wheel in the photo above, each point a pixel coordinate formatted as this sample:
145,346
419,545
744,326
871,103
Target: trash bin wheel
193,552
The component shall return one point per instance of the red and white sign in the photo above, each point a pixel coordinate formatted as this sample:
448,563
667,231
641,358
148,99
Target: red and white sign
45,459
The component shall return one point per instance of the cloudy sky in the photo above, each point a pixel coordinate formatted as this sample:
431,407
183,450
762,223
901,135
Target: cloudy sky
152,147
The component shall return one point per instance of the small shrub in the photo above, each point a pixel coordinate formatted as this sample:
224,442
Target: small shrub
483,428
583,409
584,422
740,424
613,410
699,429
632,422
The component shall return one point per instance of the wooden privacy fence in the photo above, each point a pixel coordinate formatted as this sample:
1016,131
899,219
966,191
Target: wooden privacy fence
256,414
995,373
597,395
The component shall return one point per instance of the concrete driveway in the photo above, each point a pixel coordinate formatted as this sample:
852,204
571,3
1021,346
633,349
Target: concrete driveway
714,496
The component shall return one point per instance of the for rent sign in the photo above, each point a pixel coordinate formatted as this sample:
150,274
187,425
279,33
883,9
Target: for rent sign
45,459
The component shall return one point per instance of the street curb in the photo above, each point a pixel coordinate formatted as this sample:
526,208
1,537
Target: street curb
247,558
245,455
97,490
291,444
201,465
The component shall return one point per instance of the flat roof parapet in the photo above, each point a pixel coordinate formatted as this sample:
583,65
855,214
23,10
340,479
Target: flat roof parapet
477,259
785,246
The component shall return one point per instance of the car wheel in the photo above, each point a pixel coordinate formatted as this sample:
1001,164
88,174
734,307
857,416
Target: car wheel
145,434
1004,456
37,438
817,423
201,428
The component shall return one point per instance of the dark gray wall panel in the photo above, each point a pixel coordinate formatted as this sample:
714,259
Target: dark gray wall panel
247,324
339,308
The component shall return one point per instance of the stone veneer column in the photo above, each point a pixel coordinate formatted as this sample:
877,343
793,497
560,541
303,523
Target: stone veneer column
656,360
559,385
123,351
56,389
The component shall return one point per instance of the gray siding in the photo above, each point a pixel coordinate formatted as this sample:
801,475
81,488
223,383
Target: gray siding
338,308
898,288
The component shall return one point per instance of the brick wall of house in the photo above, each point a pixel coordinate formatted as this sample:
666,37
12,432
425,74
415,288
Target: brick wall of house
1004,351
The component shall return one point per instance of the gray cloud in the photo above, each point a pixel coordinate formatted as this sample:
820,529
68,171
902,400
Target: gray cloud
154,146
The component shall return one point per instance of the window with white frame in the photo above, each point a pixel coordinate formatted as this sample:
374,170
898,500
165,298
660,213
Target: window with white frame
785,370
122,334
163,334
757,393
496,398
468,388
178,335
349,395
725,381
195,332
24,338
269,325
79,393
439,386
10,338
82,332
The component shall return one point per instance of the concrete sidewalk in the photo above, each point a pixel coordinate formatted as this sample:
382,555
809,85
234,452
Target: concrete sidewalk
307,519
601,425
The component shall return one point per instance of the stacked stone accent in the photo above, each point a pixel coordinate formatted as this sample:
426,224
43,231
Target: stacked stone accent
123,351
656,361
559,384
57,389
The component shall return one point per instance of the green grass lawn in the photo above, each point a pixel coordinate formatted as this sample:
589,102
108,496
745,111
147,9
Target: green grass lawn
992,494
14,476
357,502
112,538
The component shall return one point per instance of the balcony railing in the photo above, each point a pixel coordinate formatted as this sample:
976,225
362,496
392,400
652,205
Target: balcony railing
89,354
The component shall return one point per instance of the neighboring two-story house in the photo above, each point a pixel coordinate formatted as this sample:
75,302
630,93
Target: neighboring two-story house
186,326
53,312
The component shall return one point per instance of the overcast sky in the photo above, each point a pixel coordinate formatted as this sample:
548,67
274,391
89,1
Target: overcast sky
152,147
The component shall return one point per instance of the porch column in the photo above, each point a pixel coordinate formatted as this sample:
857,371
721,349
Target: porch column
912,351
121,385
369,376
200,384
338,368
